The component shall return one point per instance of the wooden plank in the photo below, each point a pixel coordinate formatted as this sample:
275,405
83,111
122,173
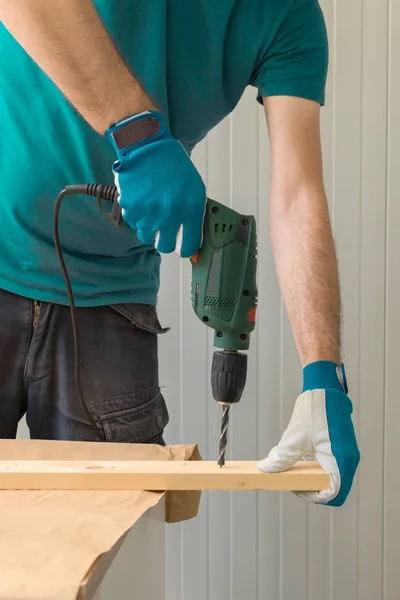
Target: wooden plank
157,475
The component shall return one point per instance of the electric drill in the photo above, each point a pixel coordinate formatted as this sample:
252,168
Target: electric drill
224,292
224,297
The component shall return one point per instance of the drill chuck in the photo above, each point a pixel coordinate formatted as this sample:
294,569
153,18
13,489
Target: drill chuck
228,376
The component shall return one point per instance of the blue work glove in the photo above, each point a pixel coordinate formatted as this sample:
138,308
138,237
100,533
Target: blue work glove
321,428
161,194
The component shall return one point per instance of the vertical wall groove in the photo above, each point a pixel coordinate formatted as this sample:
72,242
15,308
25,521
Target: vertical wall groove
392,408
360,247
388,112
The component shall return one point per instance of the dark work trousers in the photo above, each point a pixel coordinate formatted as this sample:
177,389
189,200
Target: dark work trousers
118,371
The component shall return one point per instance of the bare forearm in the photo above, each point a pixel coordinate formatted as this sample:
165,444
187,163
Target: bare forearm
67,39
308,275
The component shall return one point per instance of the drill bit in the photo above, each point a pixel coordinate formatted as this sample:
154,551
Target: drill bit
224,435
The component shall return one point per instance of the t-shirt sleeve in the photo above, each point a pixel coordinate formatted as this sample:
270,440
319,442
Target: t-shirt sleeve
296,61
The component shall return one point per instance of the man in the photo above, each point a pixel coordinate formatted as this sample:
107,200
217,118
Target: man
125,89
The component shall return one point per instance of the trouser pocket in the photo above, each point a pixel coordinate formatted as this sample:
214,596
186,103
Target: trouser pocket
141,415
136,418
143,316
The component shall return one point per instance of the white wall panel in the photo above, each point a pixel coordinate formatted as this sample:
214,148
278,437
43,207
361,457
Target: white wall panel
268,424
273,546
347,229
244,195
373,153
392,405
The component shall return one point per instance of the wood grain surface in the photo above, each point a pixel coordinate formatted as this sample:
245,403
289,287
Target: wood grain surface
156,475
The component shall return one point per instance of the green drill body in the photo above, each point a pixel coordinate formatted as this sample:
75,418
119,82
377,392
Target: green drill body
224,297
224,291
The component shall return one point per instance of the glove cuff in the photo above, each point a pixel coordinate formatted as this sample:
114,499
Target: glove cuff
135,131
324,374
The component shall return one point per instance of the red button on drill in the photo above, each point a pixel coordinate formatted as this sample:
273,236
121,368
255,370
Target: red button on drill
251,315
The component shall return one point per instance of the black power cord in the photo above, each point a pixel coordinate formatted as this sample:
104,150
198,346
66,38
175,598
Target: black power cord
100,192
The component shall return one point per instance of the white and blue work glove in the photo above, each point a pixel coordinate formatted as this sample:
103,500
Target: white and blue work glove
321,429
161,194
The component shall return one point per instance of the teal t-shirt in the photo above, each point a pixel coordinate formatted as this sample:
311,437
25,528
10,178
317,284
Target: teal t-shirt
195,57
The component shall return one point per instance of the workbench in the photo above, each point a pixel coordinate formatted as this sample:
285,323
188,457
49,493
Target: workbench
86,521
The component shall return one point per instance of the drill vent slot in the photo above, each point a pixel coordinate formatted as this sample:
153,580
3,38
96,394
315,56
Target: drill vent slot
216,227
223,307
